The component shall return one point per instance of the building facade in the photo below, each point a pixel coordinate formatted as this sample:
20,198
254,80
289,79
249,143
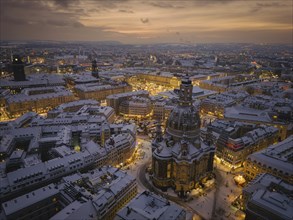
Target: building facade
268,197
275,160
216,104
39,100
236,140
116,99
18,69
161,78
180,159
62,145
136,107
259,117
100,92
98,194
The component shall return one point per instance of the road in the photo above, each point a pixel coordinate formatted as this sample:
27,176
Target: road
219,182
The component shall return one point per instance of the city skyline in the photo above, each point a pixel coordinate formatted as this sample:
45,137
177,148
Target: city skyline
147,22
118,132
146,109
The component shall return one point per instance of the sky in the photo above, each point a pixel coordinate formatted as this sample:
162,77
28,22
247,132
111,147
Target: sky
147,22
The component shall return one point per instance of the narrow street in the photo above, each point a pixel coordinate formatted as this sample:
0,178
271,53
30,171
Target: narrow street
219,182
141,180
203,207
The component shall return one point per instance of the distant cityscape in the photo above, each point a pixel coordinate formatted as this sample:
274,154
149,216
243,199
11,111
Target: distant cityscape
105,130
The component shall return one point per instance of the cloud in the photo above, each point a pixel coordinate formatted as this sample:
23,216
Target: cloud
64,23
107,4
270,4
80,11
128,21
66,3
212,2
15,20
263,5
77,24
57,23
33,4
162,4
255,9
125,11
144,20
93,10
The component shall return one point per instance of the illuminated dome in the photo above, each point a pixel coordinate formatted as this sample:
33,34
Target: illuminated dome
184,119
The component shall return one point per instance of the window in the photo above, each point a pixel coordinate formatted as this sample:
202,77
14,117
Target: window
156,167
169,170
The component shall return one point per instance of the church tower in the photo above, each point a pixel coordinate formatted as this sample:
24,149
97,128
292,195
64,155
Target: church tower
95,72
180,159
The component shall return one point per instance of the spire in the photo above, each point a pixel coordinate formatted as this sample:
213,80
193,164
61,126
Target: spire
95,71
184,145
18,68
159,133
185,93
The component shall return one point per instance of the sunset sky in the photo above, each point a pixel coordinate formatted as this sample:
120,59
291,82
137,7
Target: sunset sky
191,21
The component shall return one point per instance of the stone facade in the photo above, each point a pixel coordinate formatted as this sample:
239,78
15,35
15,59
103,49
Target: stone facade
180,159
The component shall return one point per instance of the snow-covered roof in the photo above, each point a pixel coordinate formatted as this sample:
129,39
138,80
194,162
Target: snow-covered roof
279,203
16,155
148,206
263,181
91,87
34,81
244,113
77,210
220,100
128,94
28,199
77,103
276,156
67,118
49,92
82,78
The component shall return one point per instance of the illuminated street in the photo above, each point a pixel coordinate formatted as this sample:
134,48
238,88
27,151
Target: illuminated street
139,165
217,200
146,110
152,88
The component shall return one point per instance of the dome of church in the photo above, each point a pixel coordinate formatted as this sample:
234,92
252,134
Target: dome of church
184,119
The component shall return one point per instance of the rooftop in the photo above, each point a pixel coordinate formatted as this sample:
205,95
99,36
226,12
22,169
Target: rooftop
277,156
30,95
150,206
127,94
28,199
249,114
35,80
271,194
77,103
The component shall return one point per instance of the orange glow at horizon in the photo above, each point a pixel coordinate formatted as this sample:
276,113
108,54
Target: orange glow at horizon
151,21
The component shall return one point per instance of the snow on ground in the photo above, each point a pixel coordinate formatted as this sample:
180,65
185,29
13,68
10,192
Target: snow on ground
228,192
203,204
146,150
201,201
